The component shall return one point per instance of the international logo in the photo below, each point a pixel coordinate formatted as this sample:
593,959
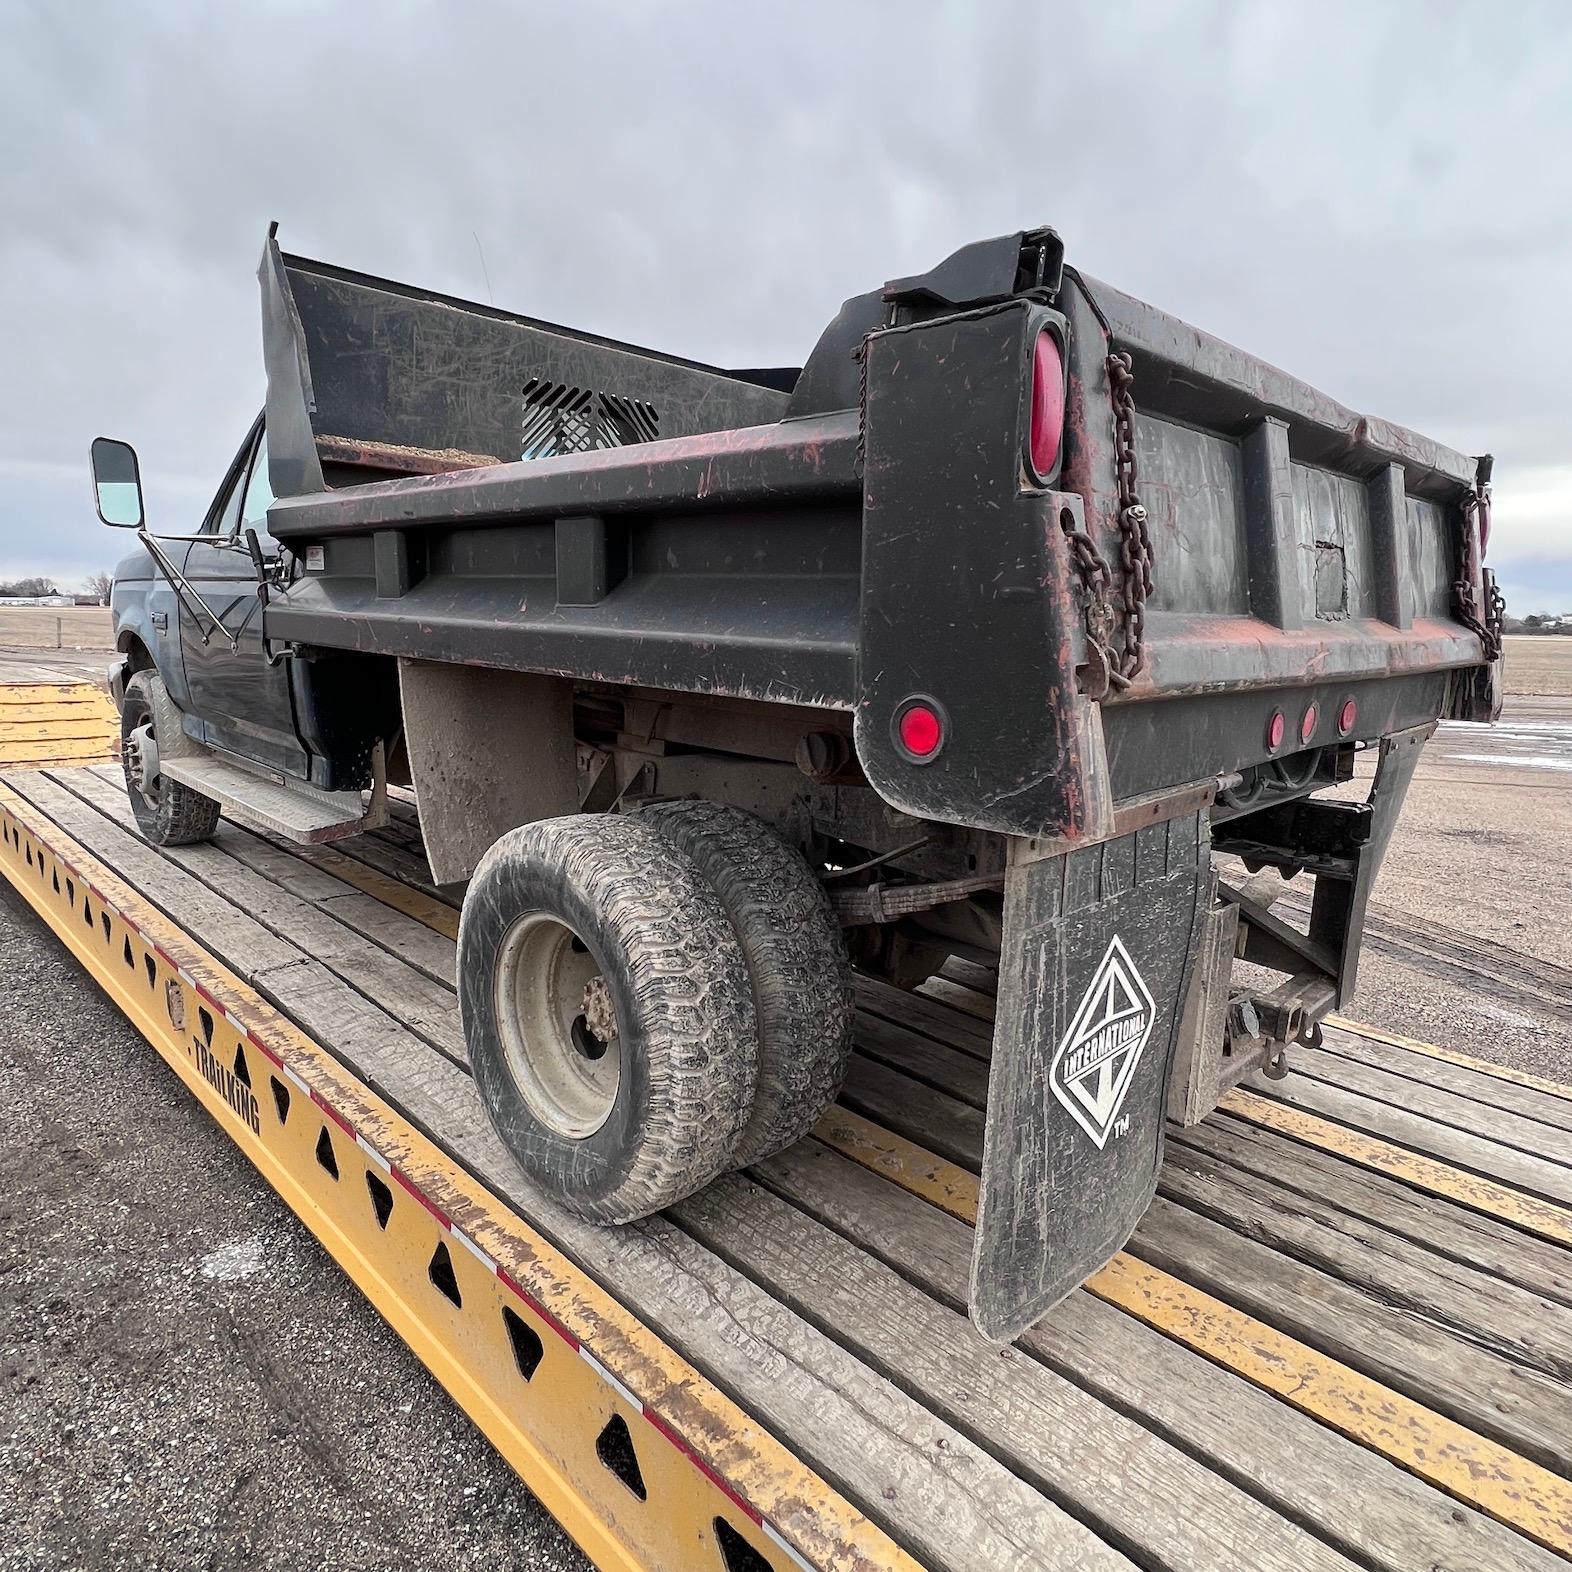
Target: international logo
1097,1056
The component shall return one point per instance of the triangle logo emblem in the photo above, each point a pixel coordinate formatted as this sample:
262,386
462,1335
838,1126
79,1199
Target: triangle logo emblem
1096,1058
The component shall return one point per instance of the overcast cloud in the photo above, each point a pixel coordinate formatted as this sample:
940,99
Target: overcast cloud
1375,196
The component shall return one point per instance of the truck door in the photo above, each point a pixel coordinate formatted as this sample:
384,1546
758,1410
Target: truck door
243,704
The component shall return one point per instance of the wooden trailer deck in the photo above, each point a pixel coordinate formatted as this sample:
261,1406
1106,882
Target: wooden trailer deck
1341,1337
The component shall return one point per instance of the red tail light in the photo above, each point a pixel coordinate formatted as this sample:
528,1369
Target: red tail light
919,729
1046,435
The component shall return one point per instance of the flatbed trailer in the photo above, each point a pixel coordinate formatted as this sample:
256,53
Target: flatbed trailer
1340,1336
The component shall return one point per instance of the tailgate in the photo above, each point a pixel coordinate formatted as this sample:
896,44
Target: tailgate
1310,569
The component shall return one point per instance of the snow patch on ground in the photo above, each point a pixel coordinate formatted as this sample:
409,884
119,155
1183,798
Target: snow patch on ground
1520,760
235,1261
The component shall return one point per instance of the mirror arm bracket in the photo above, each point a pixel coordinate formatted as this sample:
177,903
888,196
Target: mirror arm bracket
186,594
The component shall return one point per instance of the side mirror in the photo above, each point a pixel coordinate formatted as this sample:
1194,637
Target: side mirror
117,483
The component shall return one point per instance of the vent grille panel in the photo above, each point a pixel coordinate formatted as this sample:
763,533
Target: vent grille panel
559,419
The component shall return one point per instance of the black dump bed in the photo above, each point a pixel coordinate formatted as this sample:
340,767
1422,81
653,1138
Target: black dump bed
490,489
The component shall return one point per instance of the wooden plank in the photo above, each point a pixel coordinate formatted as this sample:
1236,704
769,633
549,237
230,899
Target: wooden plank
1519,1408
1365,1505
1460,1148
400,863
1128,1484
78,711
41,692
62,726
1476,1470
417,928
413,942
956,1074
970,1001
259,953
952,1129
1522,1132
401,832
1490,1196
63,748
1447,1228
1502,1317
1451,1056
918,1012
426,905
426,1007
1477,1085
402,919
46,763
953,1505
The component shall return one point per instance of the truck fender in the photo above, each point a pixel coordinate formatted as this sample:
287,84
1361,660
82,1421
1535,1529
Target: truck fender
142,645
488,750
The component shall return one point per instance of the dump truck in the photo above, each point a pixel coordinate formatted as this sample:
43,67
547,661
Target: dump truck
1023,627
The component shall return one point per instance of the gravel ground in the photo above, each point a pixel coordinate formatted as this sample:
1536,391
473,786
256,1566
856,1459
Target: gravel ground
187,1379
1484,848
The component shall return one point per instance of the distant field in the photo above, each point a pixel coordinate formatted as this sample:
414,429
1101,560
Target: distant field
45,628
1539,663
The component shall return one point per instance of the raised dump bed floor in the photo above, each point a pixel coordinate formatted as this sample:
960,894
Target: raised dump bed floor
1341,1337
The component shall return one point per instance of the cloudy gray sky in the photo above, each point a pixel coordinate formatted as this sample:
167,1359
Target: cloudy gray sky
1376,196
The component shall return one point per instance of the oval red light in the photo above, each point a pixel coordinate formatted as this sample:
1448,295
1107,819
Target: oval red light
1307,723
1276,730
920,731
1347,716
1047,422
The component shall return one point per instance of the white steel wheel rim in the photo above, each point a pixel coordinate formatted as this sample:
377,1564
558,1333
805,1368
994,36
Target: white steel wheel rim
567,1074
135,762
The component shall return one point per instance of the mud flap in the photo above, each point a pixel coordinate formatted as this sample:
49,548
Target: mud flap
1098,948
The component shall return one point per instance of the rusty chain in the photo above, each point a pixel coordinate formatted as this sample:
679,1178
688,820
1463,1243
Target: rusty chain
1135,540
1484,623
1135,552
860,355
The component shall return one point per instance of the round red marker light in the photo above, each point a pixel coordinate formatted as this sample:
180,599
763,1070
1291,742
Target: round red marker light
1347,716
919,730
1307,723
1276,730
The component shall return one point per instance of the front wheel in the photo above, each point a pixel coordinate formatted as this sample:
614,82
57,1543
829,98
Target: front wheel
607,1012
166,812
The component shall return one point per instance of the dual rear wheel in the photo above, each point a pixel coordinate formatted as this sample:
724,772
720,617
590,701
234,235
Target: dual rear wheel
649,1000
